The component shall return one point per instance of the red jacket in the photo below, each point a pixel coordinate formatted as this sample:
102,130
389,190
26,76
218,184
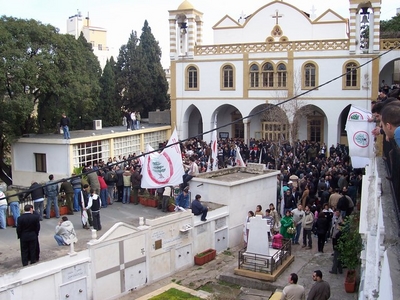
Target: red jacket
103,184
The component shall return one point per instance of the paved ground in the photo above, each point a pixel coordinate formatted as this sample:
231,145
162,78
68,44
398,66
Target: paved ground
306,261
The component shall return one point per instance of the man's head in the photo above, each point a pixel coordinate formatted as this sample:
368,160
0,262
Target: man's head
64,218
300,207
306,208
267,212
390,118
317,275
85,186
51,177
28,207
198,197
293,278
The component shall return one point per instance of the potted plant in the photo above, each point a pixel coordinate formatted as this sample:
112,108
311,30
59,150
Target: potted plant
205,257
171,204
350,247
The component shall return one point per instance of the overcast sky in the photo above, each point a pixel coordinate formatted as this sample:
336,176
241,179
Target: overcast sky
120,17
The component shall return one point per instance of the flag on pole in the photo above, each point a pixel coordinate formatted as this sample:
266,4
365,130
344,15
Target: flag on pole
359,136
165,168
238,159
214,149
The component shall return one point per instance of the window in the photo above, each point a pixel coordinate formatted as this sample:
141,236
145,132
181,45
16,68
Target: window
100,47
254,76
282,75
192,80
351,81
227,77
309,76
40,162
268,75
351,75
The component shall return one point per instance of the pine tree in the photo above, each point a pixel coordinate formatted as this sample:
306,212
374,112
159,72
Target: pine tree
158,168
157,97
109,105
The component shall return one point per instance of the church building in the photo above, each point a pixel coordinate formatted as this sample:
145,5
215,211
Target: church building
280,73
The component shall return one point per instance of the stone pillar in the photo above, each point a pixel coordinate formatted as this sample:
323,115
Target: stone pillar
199,25
172,39
190,40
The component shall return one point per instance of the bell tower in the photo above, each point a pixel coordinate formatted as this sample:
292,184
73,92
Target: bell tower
185,31
364,15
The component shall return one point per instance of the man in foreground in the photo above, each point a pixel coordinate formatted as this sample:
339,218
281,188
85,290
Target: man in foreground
293,291
321,290
28,233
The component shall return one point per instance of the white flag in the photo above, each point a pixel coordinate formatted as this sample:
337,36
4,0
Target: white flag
238,159
165,168
359,136
358,114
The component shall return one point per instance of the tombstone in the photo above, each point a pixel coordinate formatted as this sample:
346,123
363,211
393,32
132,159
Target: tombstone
258,242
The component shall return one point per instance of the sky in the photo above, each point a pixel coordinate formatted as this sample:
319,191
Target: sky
121,17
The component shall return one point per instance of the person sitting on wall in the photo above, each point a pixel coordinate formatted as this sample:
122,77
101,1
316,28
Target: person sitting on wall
199,209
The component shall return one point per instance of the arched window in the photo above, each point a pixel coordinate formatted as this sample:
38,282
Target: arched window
254,76
268,75
282,75
192,78
227,77
309,75
351,75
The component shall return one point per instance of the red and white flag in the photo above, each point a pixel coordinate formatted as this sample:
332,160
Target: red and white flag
238,159
214,149
165,168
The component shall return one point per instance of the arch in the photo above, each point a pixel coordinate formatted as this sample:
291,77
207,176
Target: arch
271,124
228,114
310,73
192,75
310,123
351,81
227,77
193,122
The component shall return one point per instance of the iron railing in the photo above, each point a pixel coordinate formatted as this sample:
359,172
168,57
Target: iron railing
264,263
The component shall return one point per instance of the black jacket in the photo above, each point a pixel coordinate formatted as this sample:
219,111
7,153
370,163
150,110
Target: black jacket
36,191
28,227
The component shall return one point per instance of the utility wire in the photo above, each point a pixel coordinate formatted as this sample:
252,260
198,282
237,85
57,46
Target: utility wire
222,126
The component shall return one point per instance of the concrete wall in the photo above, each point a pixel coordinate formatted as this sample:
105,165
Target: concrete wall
125,258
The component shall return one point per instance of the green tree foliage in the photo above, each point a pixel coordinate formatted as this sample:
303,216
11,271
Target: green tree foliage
390,28
43,73
133,78
157,96
109,100
141,81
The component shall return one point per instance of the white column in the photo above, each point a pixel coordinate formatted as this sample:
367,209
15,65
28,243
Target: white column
172,39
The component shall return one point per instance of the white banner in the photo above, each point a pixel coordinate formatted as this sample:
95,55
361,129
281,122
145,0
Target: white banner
238,159
359,136
214,149
358,114
165,168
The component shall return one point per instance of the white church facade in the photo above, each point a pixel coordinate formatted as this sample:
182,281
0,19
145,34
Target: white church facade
279,52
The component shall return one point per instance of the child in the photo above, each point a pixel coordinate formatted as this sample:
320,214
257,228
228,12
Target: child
95,199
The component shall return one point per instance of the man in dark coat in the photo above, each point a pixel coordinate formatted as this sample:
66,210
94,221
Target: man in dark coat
28,233
67,188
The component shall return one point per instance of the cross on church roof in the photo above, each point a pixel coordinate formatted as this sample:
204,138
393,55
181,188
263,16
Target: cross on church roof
276,16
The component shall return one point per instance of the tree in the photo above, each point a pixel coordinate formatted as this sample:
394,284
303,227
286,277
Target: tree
133,78
157,98
109,101
43,73
141,81
390,28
